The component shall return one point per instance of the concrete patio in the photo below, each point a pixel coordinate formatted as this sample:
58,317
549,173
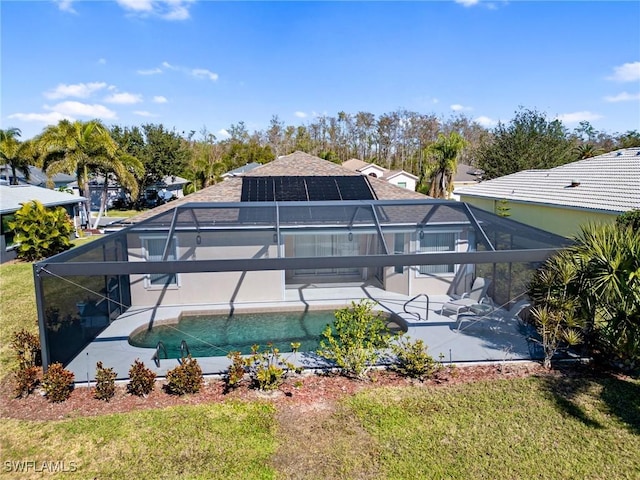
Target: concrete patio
470,338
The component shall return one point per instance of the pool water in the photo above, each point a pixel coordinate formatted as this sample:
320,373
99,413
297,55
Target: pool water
216,335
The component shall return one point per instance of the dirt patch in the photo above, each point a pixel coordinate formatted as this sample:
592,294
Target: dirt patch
300,394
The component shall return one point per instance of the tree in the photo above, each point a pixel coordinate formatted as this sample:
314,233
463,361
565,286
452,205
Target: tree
17,155
78,148
629,139
442,164
162,153
586,150
529,141
123,169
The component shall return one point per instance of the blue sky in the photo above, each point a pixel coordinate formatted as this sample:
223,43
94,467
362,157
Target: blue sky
194,64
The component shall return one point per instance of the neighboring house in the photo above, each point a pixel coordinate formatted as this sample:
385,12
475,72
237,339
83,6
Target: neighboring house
465,176
12,197
399,178
238,172
561,199
36,177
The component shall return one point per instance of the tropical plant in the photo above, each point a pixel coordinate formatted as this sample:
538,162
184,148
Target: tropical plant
41,232
79,148
593,287
19,156
57,383
141,379
267,368
356,339
412,359
186,378
105,387
235,372
442,164
629,219
586,150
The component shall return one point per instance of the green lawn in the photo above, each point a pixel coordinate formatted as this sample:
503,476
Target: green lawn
549,427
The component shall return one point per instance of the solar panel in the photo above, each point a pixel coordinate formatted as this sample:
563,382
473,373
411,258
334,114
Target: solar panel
313,189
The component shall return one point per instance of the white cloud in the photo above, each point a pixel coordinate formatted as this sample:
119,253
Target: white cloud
169,66
124,98
79,109
300,114
144,113
48,118
78,90
223,133
204,73
623,97
460,108
102,61
152,71
485,121
627,72
468,3
66,6
576,117
136,5
165,9
160,99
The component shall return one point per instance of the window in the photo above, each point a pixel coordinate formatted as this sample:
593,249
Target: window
437,242
153,249
398,249
338,245
402,184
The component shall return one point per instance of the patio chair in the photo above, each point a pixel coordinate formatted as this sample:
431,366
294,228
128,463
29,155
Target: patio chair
463,303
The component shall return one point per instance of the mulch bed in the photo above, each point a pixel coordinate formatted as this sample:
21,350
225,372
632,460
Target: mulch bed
305,391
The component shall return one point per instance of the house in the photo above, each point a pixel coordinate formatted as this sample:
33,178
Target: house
561,199
36,177
465,176
12,197
236,172
399,178
296,225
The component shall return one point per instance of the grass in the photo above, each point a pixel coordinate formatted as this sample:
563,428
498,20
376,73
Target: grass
527,428
232,440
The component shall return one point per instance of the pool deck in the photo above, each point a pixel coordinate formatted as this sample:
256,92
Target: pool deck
472,338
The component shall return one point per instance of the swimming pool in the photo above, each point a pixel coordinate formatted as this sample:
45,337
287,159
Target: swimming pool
216,335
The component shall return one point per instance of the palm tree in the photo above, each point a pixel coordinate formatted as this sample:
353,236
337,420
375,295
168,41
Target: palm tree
15,154
443,155
78,148
125,170
586,150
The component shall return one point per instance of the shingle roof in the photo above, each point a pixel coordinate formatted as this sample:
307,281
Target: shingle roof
13,197
355,164
395,173
609,182
293,165
240,170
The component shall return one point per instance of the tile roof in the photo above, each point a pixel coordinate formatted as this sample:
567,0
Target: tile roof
295,164
609,182
13,197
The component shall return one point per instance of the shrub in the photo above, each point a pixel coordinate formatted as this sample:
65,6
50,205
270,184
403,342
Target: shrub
355,340
185,378
41,232
412,359
26,380
105,383
141,379
57,383
267,369
236,371
27,348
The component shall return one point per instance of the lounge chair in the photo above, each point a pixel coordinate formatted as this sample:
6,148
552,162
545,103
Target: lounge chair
462,303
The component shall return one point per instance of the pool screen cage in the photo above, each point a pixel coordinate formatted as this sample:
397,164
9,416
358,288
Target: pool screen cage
233,252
